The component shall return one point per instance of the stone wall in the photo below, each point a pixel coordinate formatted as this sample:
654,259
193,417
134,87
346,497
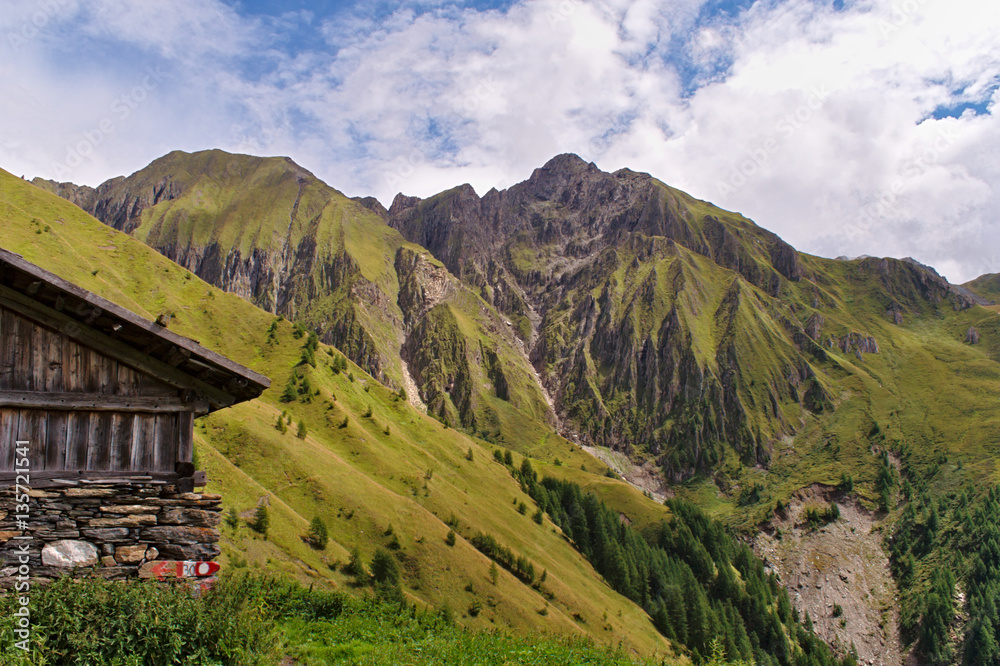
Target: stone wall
107,529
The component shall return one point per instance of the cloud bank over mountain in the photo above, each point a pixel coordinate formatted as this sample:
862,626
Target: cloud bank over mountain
845,127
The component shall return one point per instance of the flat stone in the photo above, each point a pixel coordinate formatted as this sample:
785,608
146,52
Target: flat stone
107,534
183,496
125,521
197,552
193,517
129,508
7,536
159,501
51,535
108,561
42,494
164,533
130,554
88,492
67,553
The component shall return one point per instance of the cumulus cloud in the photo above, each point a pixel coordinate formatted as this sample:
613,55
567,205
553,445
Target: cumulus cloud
841,129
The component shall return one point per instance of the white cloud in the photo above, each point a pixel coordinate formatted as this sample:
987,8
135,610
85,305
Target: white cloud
814,122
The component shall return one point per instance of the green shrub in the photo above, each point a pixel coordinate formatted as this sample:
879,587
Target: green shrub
318,536
356,567
291,391
93,621
385,573
450,539
261,521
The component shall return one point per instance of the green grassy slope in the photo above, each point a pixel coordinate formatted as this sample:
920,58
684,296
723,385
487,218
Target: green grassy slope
271,232
395,467
987,286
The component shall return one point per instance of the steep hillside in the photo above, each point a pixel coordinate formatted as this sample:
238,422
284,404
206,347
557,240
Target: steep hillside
271,232
664,326
378,471
697,352
329,441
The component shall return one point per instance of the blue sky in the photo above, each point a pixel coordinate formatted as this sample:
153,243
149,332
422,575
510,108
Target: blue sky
848,127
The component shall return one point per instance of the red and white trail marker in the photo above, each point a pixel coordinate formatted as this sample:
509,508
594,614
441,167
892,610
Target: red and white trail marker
170,569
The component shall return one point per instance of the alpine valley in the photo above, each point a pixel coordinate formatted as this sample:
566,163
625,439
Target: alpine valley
665,424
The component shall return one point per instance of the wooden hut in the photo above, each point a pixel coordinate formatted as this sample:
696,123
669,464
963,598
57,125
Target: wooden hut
103,403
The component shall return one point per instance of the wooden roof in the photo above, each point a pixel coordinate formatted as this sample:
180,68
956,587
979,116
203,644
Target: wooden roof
120,333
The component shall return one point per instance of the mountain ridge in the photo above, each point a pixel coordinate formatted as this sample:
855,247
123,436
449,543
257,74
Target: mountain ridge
694,351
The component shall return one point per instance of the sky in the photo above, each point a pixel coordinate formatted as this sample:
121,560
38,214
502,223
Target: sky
847,127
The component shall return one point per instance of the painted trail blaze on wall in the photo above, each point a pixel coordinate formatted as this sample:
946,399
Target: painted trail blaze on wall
107,401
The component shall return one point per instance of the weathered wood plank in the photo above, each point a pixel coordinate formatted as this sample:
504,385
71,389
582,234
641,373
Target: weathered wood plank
51,478
185,437
54,362
107,375
149,386
55,440
8,345
165,451
77,434
146,441
130,319
8,433
95,367
37,349
121,440
96,402
130,355
32,427
128,381
98,446
72,365
22,357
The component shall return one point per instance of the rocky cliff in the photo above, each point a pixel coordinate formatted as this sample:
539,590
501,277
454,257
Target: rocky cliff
661,325
272,233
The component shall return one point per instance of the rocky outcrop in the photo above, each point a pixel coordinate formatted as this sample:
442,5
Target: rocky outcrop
972,336
423,284
814,325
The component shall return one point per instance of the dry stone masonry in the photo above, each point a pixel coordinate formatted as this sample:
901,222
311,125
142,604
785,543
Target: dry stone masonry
107,529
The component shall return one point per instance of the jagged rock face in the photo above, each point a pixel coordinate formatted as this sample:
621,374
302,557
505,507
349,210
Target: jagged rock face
972,336
615,282
551,252
658,323
422,285
270,232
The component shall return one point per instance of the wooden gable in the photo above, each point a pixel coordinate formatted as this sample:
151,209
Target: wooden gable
96,390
